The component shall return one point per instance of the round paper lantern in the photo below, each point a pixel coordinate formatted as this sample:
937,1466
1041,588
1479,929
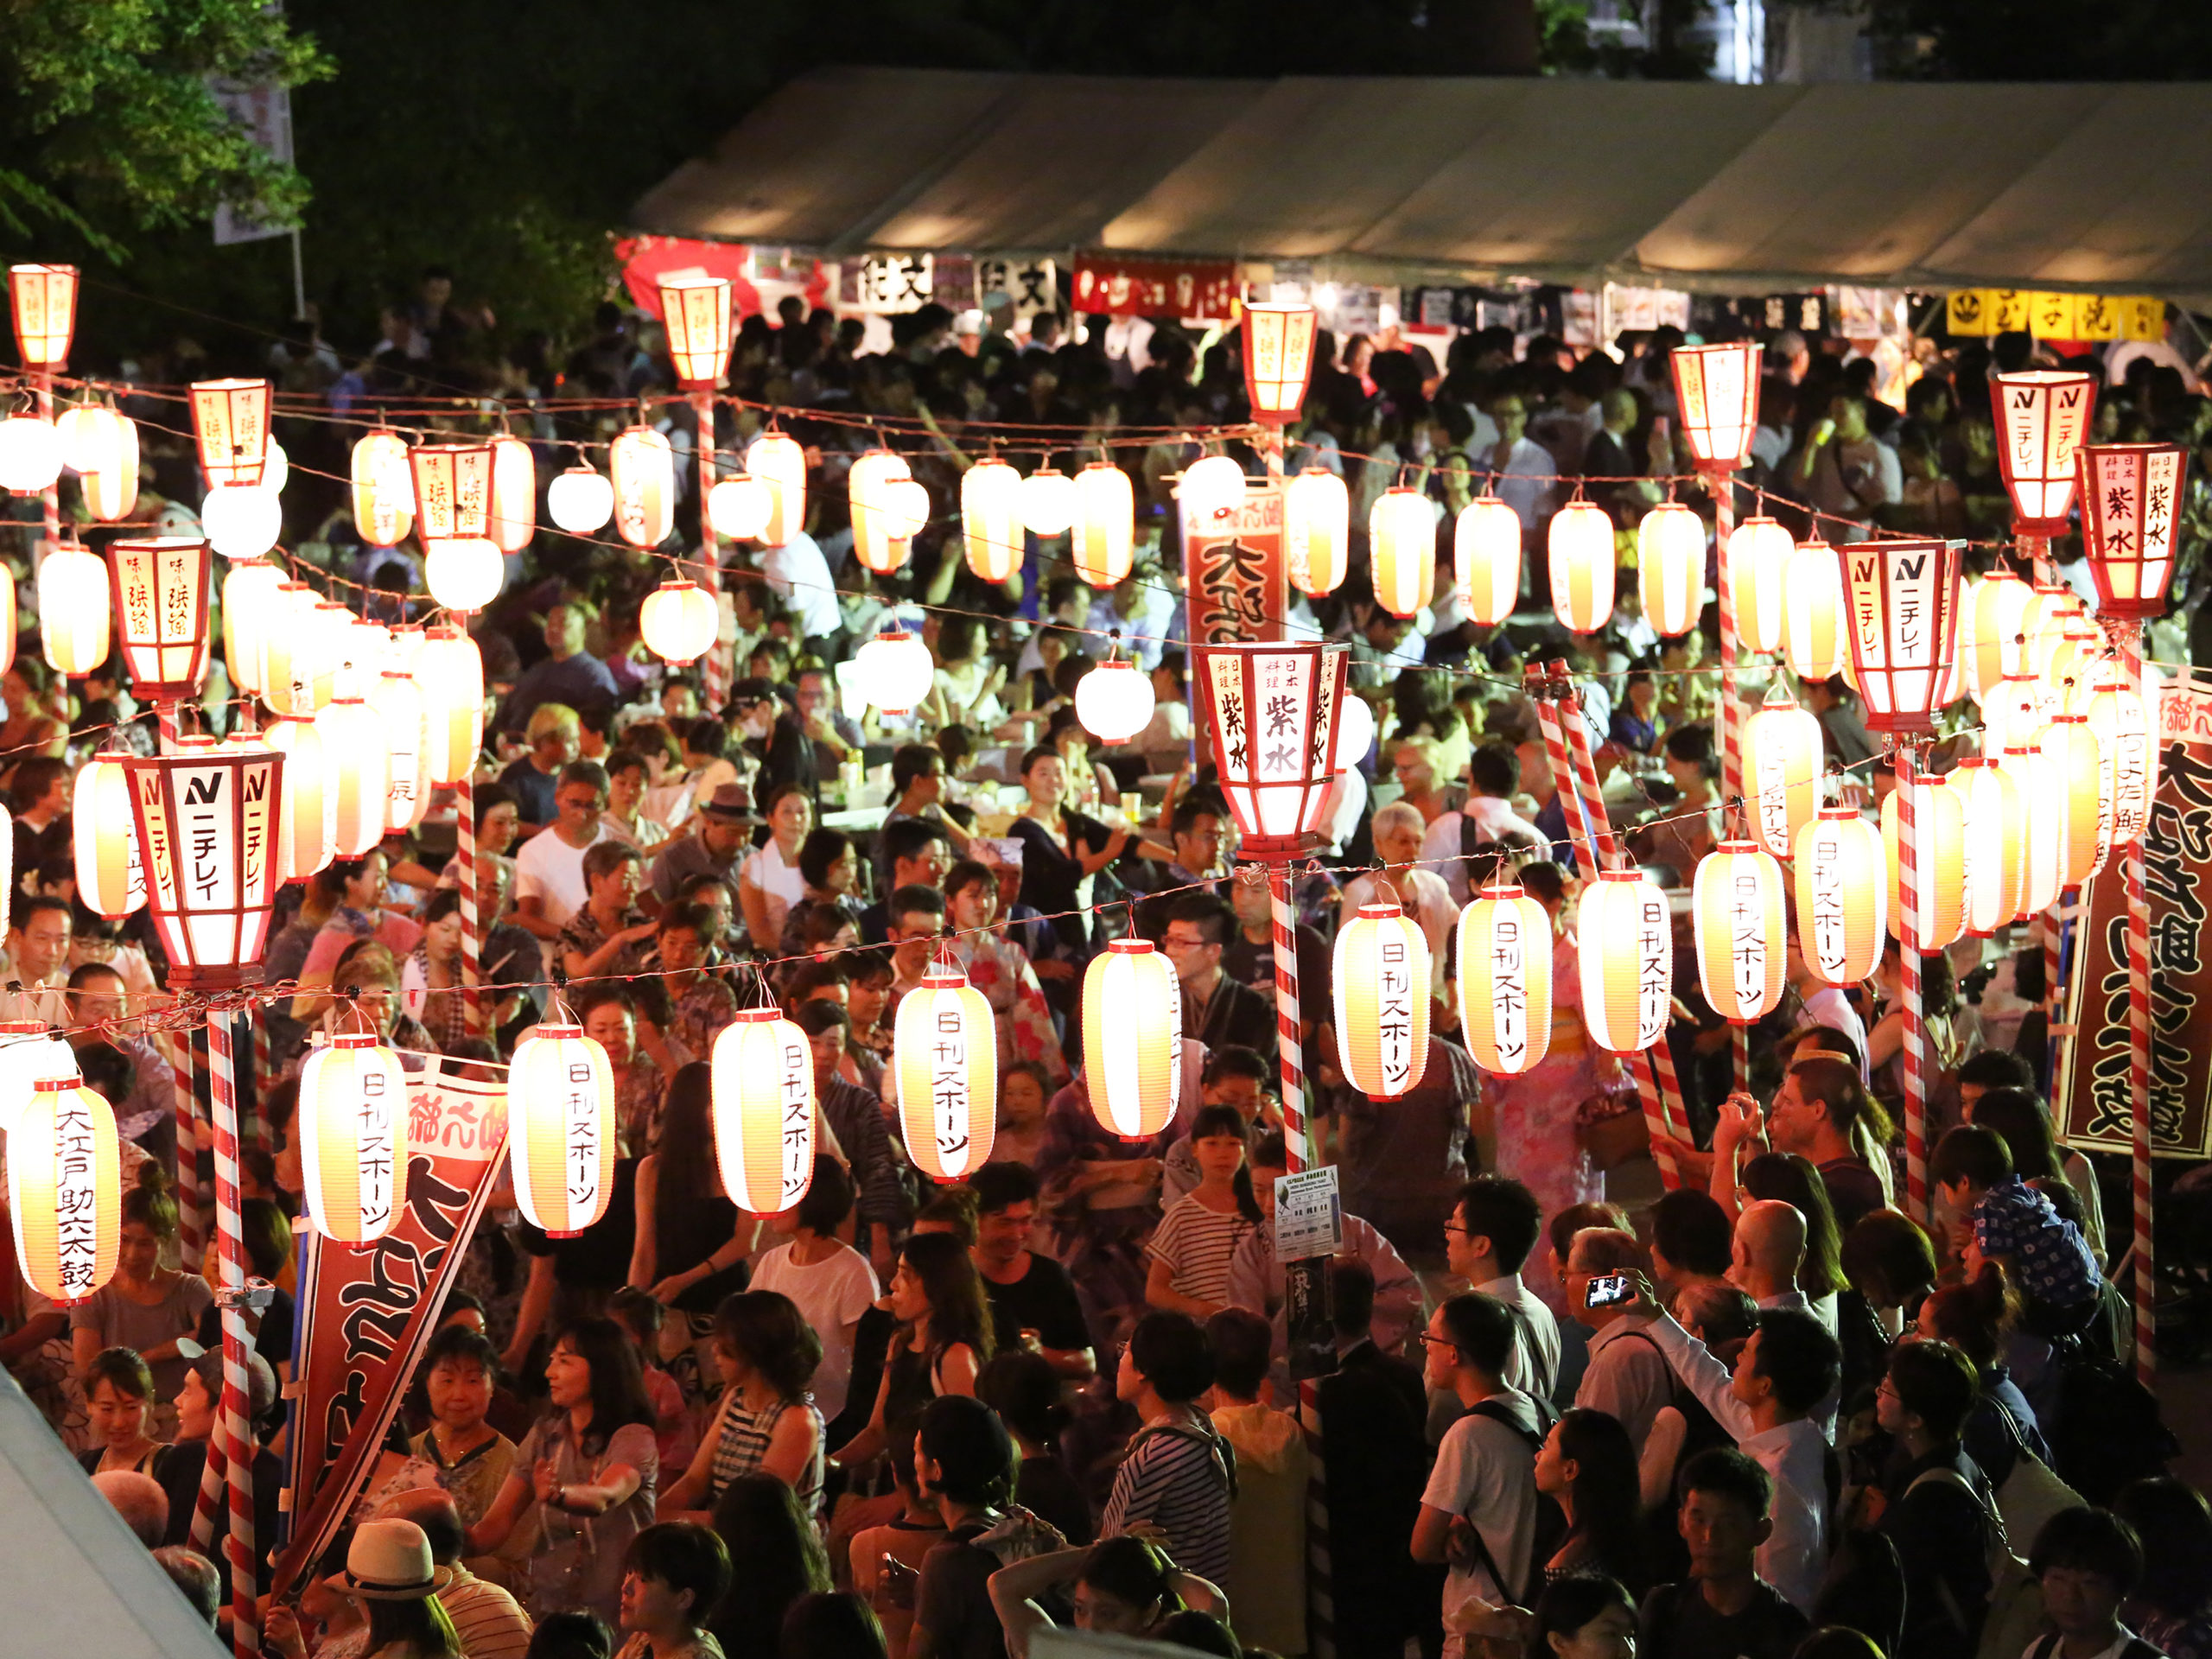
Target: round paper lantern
990,519
31,455
2041,816
1670,568
1627,961
113,492
561,1127
29,1051
1939,864
405,719
1996,874
307,827
249,604
873,543
110,878
678,620
383,488
777,461
242,521
73,610
1114,701
946,1052
763,1089
465,573
1355,733
1742,938
1781,770
1401,548
1812,600
65,1190
1317,528
1048,502
1842,896
1486,559
359,764
894,670
1105,524
1990,625
1210,491
2073,767
1580,545
1381,977
1131,1038
1505,980
580,500
1759,553
96,439
352,1123
514,494
739,507
2123,726
906,515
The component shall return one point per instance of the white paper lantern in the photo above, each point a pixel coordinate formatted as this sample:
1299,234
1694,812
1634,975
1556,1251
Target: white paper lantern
945,1052
1670,568
1104,525
777,461
74,609
1842,896
1736,904
990,519
1210,491
1048,502
739,507
1486,559
678,621
1317,523
561,1127
1581,546
874,542
1812,596
1627,956
514,494
31,455
383,489
1131,1038
895,671
580,500
359,764
641,467
242,521
763,1086
1783,752
1115,700
1402,550
307,827
65,1190
1505,980
111,878
465,573
354,1149
1379,980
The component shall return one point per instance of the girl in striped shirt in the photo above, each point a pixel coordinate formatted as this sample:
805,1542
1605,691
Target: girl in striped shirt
1199,1232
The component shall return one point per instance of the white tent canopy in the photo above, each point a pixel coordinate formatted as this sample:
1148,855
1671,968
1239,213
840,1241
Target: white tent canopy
1698,185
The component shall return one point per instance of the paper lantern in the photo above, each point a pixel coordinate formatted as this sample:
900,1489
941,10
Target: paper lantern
242,521
2042,817
42,304
465,573
30,1051
739,507
2011,713
1782,755
2131,496
111,491
452,490
1940,863
2075,664
1812,598
1271,713
1741,935
763,1084
1401,548
1580,545
161,613
561,1126
74,609
990,519
779,462
1627,939
873,543
31,455
2052,608
1278,359
1356,739
678,620
1670,568
404,717
451,673
946,1053
7,632
1104,525
514,494
1380,978
65,1190
1048,502
360,767
1842,896
96,439
275,466
580,500
297,654
1131,1038
1505,980
1486,559
2122,725
1211,491
894,670
1997,876
383,488
1115,700
353,1150
208,823
2081,802
1317,528
2043,417
1901,598
641,467
1758,555
307,832
1991,622
111,880
364,649
1717,392
230,420
695,316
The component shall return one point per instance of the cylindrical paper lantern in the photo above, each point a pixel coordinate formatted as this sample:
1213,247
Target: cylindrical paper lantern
292,651
1781,770
352,1119
384,489
1741,935
250,604
1316,527
359,764
1505,980
946,1052
1581,544
111,491
1105,524
990,519
1842,896
642,468
2050,608
451,673
1115,700
2074,764
561,1127
1813,641
29,1051
777,461
763,1089
404,717
874,542
1670,568
1997,876
1131,1038
580,500
1989,624
111,880
1758,551
1627,939
306,831
514,494
1941,866
2041,816
1486,559
678,620
906,515
93,438
2123,728
1401,548
1381,977
74,609
2011,712
65,1190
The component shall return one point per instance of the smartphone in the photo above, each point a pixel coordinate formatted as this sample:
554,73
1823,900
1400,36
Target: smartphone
1608,1290
897,1582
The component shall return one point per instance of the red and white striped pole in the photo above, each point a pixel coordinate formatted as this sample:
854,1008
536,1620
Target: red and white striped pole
2129,639
716,667
1722,485
464,819
50,496
233,1423
1916,1012
1298,1138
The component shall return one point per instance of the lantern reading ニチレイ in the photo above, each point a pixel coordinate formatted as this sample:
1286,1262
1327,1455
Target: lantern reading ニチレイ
207,830
1902,599
2043,417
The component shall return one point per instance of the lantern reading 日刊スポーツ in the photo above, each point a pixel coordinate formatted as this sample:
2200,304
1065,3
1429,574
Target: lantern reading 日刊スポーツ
1736,901
946,1053
1627,938
1381,977
1505,980
561,1125
763,1090
1842,896
354,1151
1783,750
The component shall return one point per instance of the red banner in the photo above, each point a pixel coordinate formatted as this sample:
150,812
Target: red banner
364,1314
647,261
1155,287
1236,572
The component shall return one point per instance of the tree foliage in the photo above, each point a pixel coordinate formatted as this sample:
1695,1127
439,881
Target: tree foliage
2047,40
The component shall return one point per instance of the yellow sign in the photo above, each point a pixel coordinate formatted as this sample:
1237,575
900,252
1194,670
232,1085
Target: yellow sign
1978,313
2011,307
1968,312
2142,317
2050,316
2096,316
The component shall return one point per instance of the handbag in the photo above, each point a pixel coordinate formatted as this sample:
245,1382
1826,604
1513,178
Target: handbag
1609,1129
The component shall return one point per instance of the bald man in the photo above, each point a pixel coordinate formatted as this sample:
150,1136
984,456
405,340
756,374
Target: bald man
490,1623
1768,1249
139,1500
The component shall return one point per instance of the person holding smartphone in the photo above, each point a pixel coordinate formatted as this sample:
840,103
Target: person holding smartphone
1627,1378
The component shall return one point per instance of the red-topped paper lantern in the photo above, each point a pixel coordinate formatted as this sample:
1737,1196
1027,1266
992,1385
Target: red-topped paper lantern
1717,389
763,1089
695,313
1317,524
207,830
354,1151
1271,712
1759,550
1505,980
1901,601
777,460
42,303
1996,873
230,419
945,1052
1941,861
1579,542
561,1117
2043,418
641,467
1380,980
1486,559
65,1181
1783,750
2125,724
2131,496
161,613
1990,622
990,518
1278,359
1742,939
1131,1038
1627,936
1842,896
1670,568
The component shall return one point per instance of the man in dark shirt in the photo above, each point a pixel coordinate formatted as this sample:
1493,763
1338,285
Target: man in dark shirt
40,798
1217,1009
1032,1299
917,853
567,674
1937,1503
1724,1610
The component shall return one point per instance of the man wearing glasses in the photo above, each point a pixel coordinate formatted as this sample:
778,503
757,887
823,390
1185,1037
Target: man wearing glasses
1217,1010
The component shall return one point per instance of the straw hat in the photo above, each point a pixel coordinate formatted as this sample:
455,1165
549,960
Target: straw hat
388,1561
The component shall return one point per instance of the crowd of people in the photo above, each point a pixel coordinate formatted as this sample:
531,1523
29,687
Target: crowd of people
1768,1414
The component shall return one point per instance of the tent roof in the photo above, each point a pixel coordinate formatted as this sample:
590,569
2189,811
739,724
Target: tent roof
1693,184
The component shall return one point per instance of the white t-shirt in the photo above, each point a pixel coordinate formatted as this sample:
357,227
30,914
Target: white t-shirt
549,869
1829,1007
1487,1473
830,1296
1441,846
780,884
798,573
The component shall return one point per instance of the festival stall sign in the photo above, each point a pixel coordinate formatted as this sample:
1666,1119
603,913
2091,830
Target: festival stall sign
365,1313
1237,570
648,261
889,284
1980,313
1023,287
1193,289
2097,1100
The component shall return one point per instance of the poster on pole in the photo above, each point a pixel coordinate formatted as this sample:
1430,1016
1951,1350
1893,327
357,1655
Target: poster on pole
1237,580
264,108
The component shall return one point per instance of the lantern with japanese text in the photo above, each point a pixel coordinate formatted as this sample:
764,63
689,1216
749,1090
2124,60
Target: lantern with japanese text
450,670
161,613
64,1180
2131,496
404,716
945,1052
242,521
359,764
31,1050
1742,938
1781,770
1580,545
1758,552
1941,864
1505,980
2080,801
74,609
208,821
2123,725
31,455
763,1089
42,304
230,420
876,544
1991,622
513,518
1105,524
1115,699
383,488
2042,819
894,670
739,507
642,468
352,1124
1271,710
1278,359
453,515
1997,875
1842,897
1627,961
111,880
677,621
1131,1038
1717,390
695,315
1211,491
990,518
1812,603
1381,977
562,1127
580,500
1670,568
1486,559
777,461
2043,418
306,831
1317,528
111,489
1401,547
1901,600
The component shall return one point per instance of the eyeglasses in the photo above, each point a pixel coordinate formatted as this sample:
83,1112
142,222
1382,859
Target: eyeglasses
1436,1341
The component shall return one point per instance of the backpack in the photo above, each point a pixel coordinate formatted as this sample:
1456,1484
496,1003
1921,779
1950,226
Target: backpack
1550,1531
2014,1616
2109,1431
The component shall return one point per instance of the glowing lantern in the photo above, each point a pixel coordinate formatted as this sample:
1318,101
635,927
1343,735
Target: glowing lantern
383,488
1356,739
1717,389
894,670
1115,700
31,455
1278,359
2052,609
1505,980
1998,876
1670,567
1486,559
161,613
739,507
763,1089
779,462
63,1162
2131,495
1758,554
1940,864
990,519
465,573
111,491
354,749
580,500
1211,490
1627,961
873,540
450,670
207,830
1903,600
42,303
2043,416
1581,544
1271,710
561,1121
2042,821
354,1151
6,646
946,1053
695,313
2123,727
1381,977
1131,1038
307,834
2080,803
514,495
905,514
1402,543
1990,625
242,521
1812,603
74,609
1781,770
1736,904
1048,502
678,620
1105,524
230,419
452,490
110,878
404,717
275,466
1317,526
29,1051
1842,896
642,469
2075,664
296,653
95,439
2011,713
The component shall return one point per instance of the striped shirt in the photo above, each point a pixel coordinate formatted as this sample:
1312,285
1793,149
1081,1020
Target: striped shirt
1198,1244
1177,1478
744,1444
489,1621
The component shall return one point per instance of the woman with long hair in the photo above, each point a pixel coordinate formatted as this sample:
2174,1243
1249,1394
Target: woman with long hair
766,1354
692,1244
389,1572
1796,1179
777,1557
1588,1467
943,1337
